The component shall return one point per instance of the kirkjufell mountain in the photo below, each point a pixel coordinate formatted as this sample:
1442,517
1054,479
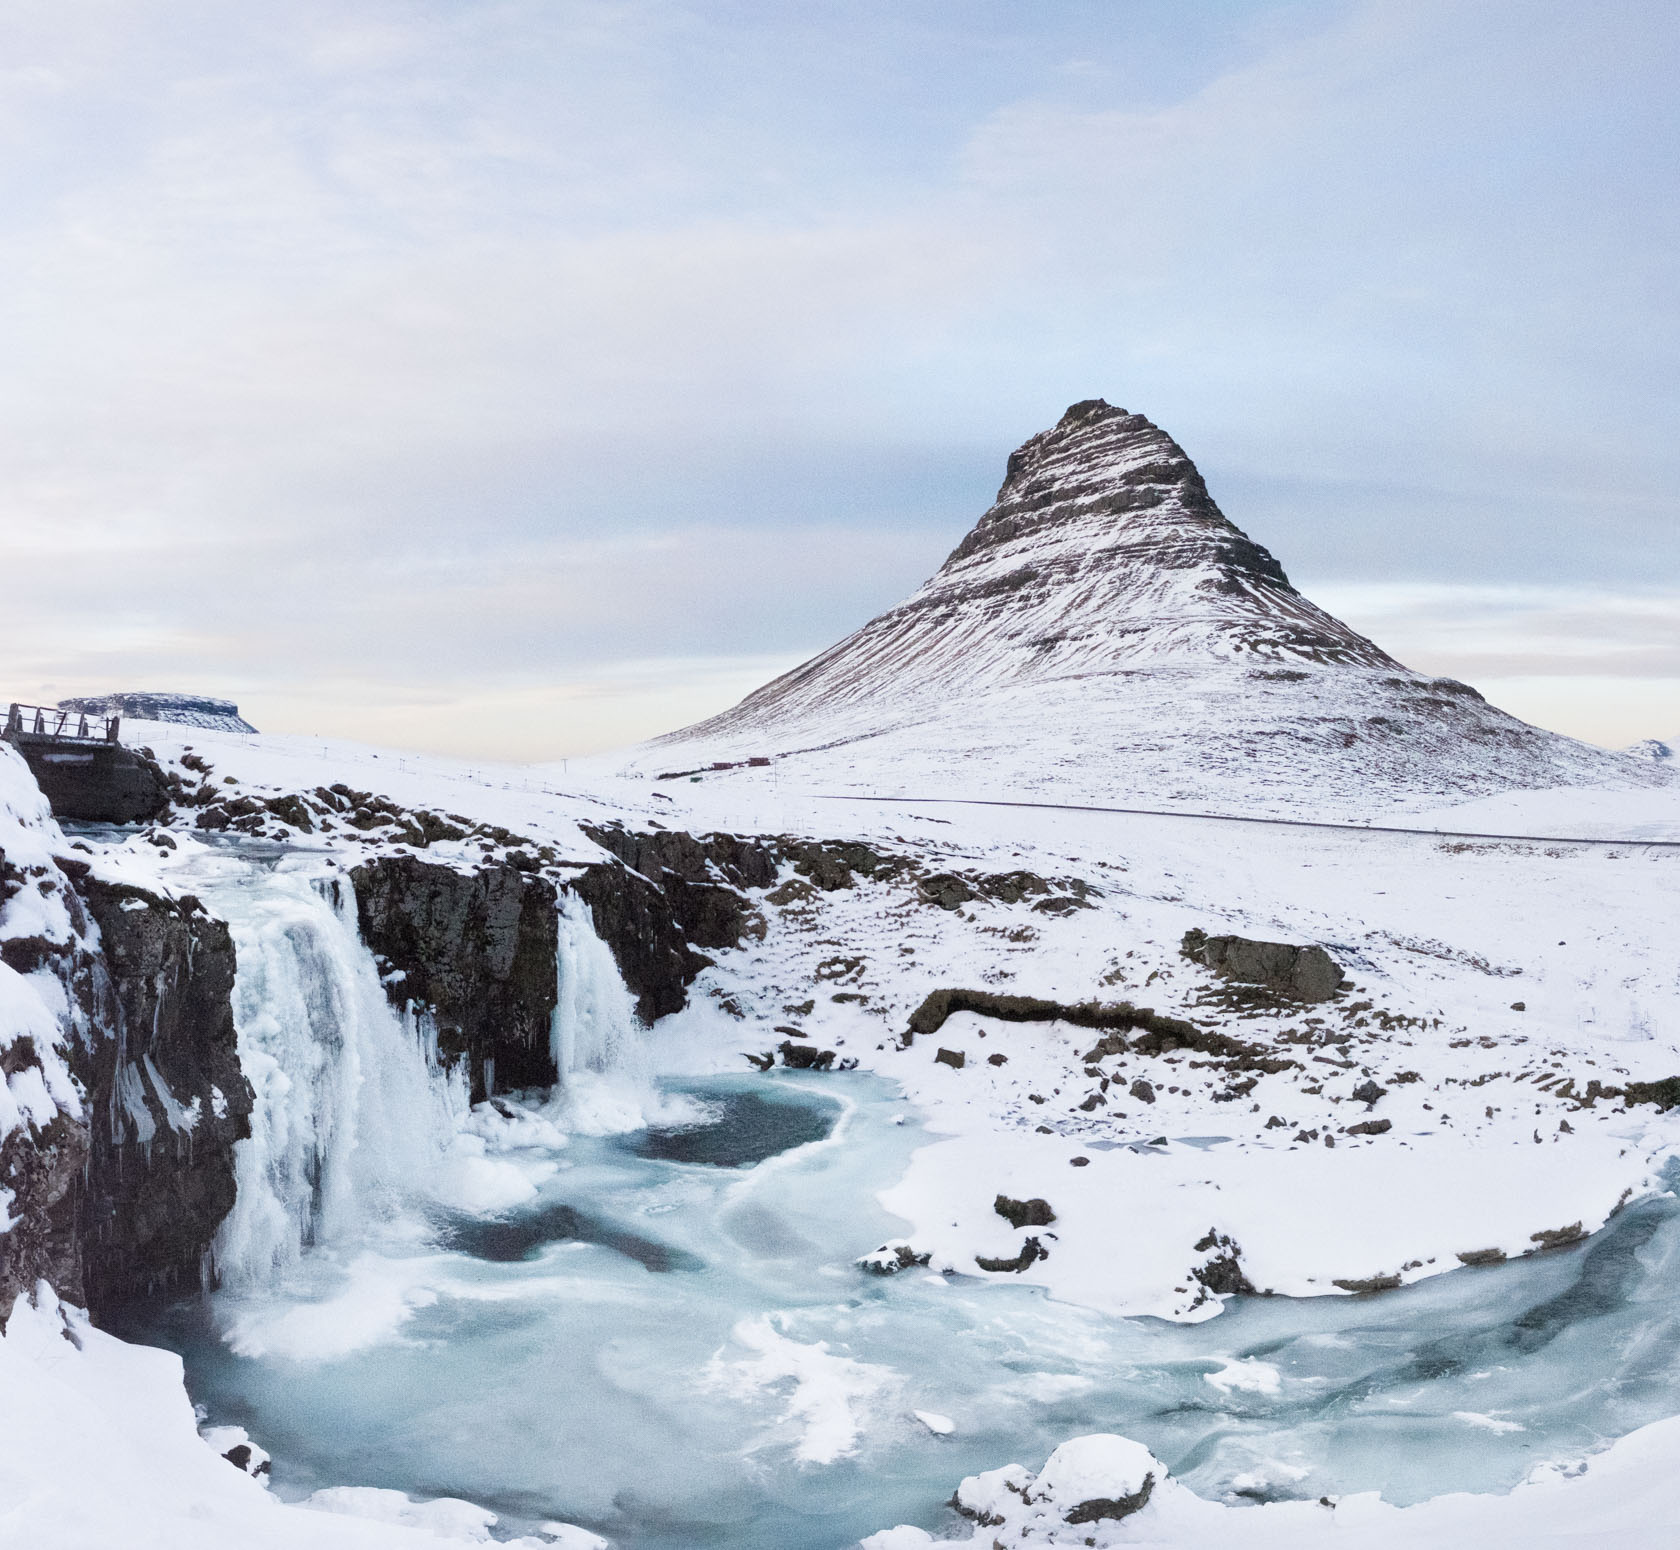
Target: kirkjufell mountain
1106,634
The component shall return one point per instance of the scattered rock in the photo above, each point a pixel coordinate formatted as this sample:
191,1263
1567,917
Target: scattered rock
1482,1257
1031,1251
954,1058
1370,1127
945,890
1142,1091
891,1258
1024,1213
1369,1284
1368,1093
1222,1273
1558,1237
805,1057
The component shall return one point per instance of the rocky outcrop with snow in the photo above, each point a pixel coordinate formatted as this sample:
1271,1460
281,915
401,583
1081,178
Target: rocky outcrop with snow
43,1119
124,1096
1105,1491
1105,634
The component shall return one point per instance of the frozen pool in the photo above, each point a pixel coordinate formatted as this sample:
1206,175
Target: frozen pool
660,1331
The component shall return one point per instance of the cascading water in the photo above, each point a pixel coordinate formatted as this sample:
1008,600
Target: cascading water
665,1335
351,1116
606,1081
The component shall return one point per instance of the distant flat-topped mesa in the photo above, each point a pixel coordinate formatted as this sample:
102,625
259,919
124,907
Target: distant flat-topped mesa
1106,633
191,710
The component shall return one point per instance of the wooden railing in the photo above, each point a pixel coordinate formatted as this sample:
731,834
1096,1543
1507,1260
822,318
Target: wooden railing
48,723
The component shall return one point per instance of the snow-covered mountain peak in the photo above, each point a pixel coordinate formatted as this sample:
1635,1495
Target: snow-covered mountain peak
1105,633
1105,527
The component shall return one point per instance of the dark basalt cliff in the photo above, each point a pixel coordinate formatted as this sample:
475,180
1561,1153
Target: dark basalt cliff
126,1199
476,949
41,1165
671,895
167,1099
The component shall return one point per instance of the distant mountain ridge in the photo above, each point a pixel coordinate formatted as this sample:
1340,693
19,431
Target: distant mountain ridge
1104,631
191,710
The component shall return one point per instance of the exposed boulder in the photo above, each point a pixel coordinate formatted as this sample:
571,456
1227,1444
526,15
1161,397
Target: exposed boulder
945,890
1221,1274
1086,1480
1305,973
1094,1478
1024,1213
805,1057
476,949
891,1258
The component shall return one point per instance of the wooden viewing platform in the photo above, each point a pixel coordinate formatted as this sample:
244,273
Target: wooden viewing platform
48,724
82,767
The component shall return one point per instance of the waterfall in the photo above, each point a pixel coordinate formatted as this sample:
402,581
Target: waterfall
352,1115
606,1084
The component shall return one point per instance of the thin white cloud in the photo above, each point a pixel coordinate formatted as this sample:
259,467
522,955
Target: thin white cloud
470,350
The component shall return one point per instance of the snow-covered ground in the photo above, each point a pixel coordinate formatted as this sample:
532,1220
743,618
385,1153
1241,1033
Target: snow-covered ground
1490,982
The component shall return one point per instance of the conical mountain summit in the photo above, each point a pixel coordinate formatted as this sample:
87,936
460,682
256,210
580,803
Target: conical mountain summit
1106,634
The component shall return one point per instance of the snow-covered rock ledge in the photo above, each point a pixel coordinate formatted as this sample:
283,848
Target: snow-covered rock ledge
1169,1230
1105,1491
99,1446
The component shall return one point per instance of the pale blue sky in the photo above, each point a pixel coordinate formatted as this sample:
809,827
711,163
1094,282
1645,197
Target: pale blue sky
553,372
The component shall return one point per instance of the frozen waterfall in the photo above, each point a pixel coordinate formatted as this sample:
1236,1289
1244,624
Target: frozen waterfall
352,1114
606,1084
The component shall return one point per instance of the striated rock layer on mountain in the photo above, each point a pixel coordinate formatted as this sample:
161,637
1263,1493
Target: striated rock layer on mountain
1106,634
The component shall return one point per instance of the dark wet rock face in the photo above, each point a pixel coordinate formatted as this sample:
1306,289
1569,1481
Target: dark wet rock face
479,950
1304,973
666,898
167,1099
